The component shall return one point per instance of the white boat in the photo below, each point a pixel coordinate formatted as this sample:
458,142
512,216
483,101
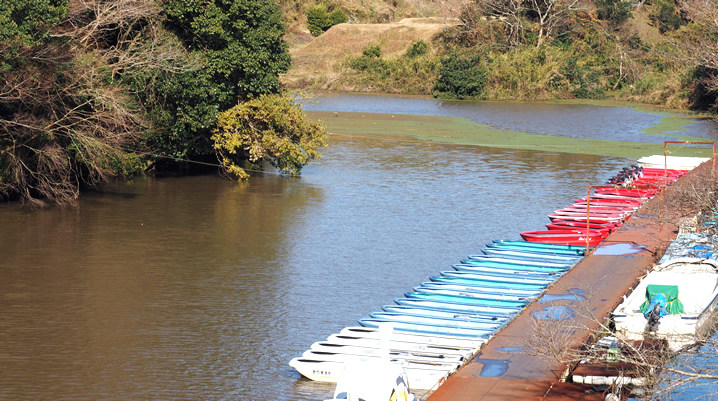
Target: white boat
421,338
690,286
671,162
465,350
334,355
421,376
359,347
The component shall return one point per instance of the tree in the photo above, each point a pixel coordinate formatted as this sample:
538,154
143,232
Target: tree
700,45
239,47
268,129
64,124
507,12
550,14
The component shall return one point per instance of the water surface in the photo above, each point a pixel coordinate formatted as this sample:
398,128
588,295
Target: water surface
201,288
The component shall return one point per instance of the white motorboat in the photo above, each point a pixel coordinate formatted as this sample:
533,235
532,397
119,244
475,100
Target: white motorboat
690,288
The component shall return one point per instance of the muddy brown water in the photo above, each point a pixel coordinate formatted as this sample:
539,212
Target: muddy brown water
201,288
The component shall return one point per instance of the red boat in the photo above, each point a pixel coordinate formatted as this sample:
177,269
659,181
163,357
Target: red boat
632,192
564,237
600,209
612,205
628,200
581,225
597,218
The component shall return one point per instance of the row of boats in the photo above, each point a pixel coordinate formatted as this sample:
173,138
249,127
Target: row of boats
443,322
589,220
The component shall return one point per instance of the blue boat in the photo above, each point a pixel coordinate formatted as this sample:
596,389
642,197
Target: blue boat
487,325
532,255
516,261
508,278
505,268
473,294
528,244
534,248
444,314
458,307
466,299
496,282
428,329
473,287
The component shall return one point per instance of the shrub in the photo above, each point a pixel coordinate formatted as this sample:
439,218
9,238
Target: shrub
615,12
372,51
461,77
319,19
337,17
418,48
665,16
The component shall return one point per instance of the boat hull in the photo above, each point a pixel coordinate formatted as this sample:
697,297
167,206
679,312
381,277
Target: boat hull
696,285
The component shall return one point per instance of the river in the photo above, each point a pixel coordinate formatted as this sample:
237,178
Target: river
202,288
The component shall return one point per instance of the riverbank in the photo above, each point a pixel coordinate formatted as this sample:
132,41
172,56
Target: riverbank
603,278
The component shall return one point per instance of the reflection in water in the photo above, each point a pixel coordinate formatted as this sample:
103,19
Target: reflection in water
201,288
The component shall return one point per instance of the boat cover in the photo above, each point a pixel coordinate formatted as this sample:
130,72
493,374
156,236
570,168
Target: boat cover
673,305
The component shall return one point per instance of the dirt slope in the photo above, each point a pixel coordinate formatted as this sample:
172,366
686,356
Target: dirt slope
318,63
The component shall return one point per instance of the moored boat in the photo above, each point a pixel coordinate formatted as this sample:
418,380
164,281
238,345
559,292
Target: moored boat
471,293
458,306
415,327
534,245
514,260
504,269
339,340
565,237
533,255
409,310
423,338
481,288
421,376
689,287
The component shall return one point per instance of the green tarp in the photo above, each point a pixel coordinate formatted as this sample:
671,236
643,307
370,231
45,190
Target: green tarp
673,306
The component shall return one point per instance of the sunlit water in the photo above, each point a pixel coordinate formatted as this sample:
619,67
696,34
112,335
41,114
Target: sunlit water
201,288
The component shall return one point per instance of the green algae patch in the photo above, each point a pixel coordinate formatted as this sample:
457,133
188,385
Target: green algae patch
463,131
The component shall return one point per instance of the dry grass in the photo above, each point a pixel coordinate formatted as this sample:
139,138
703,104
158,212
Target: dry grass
318,65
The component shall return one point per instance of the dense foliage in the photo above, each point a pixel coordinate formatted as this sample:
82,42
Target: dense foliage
461,76
64,124
268,129
97,89
319,18
239,50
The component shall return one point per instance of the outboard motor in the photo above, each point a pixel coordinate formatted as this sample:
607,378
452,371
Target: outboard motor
656,310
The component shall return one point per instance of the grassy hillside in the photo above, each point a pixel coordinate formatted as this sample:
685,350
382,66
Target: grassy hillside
633,54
